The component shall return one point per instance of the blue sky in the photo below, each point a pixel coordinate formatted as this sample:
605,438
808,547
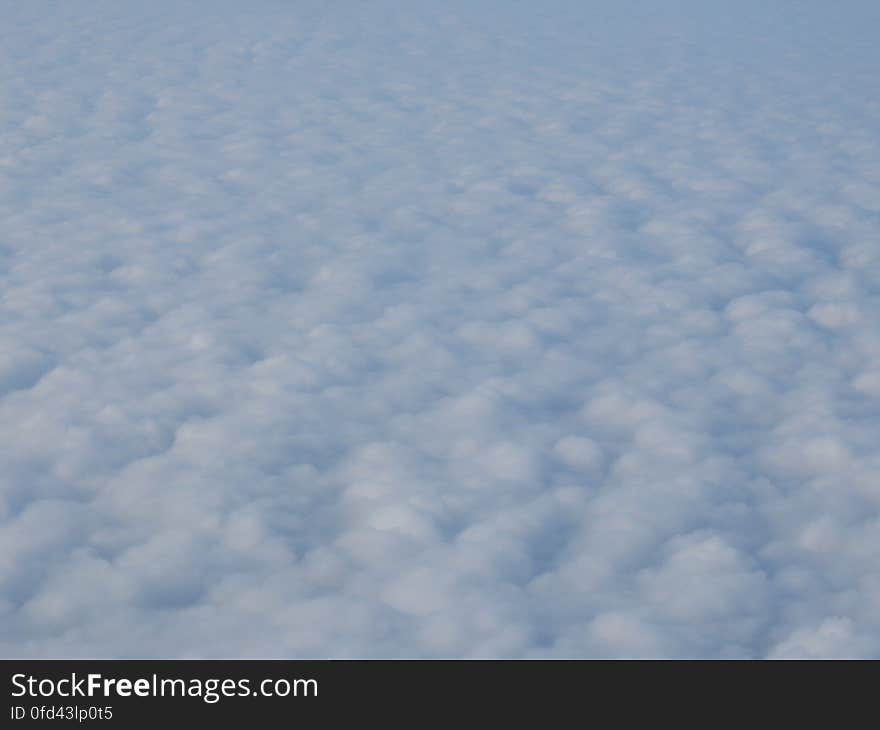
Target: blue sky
452,329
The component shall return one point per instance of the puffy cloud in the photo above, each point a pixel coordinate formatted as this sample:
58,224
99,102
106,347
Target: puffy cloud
448,330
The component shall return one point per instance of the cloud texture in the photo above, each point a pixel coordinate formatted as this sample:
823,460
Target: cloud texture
353,329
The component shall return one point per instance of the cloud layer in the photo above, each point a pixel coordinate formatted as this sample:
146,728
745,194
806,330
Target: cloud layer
370,331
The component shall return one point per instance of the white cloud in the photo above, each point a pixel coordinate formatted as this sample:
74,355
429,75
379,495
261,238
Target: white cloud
440,330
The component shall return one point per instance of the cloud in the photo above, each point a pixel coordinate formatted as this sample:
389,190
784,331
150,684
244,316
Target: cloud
439,331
